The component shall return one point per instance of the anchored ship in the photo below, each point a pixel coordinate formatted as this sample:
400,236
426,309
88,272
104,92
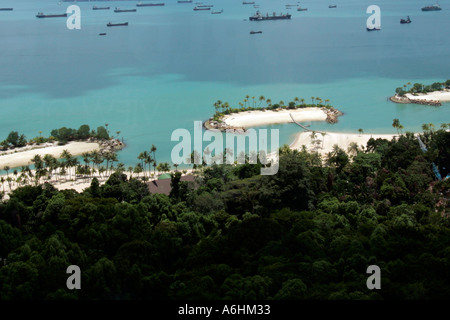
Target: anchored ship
6,9
140,4
124,10
100,8
110,24
41,15
197,8
259,17
434,7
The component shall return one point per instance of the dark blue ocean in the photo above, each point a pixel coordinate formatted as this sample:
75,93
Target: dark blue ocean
167,68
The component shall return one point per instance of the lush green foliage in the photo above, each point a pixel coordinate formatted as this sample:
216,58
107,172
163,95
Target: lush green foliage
309,232
420,88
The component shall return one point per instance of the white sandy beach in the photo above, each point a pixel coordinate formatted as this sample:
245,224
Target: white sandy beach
442,96
23,158
324,143
259,118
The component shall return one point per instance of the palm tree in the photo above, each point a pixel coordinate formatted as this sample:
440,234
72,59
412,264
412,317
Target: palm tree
425,127
318,99
254,102
153,150
281,103
312,99
400,127
409,83
396,124
261,99
302,101
269,102
327,101
6,168
138,169
245,103
360,131
130,170
2,180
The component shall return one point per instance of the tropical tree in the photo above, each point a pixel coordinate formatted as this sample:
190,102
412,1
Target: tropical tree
396,124
312,100
261,99
153,150
360,131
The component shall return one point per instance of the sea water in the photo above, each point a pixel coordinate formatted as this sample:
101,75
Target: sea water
167,68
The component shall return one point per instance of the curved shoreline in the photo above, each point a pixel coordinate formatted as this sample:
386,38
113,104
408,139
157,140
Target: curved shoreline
18,158
434,98
239,122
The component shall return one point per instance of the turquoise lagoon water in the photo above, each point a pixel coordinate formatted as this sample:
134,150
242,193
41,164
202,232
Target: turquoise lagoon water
167,68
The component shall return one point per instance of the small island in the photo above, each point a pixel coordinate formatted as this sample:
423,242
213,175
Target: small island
252,114
432,95
16,150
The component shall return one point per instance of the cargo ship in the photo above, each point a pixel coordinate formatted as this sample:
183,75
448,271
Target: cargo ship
434,7
259,17
198,9
184,1
110,24
6,9
332,6
140,4
302,9
373,29
124,10
248,2
100,8
41,15
255,32
205,6
217,12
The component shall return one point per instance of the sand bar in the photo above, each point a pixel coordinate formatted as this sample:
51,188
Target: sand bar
256,118
442,96
23,158
324,143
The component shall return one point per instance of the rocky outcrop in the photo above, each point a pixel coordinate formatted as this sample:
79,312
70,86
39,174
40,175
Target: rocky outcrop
332,114
406,100
107,146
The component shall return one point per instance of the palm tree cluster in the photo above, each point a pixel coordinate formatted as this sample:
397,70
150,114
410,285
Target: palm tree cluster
251,103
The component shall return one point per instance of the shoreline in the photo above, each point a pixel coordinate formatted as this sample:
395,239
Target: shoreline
323,144
240,121
16,158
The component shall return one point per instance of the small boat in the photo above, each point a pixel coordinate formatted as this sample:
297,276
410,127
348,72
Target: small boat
373,29
116,24
302,9
332,6
41,15
255,32
100,8
124,10
140,4
217,12
407,20
434,7
184,1
198,9
102,34
248,2
6,9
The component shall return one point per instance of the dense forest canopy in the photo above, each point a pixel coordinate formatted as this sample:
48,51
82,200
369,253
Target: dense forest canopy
308,232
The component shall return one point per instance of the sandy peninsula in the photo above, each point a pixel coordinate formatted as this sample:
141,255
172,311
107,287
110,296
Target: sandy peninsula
23,157
255,118
324,143
442,96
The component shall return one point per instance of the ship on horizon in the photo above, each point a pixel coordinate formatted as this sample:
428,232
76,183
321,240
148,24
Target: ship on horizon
6,9
434,7
124,10
42,15
259,17
140,4
100,8
110,24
